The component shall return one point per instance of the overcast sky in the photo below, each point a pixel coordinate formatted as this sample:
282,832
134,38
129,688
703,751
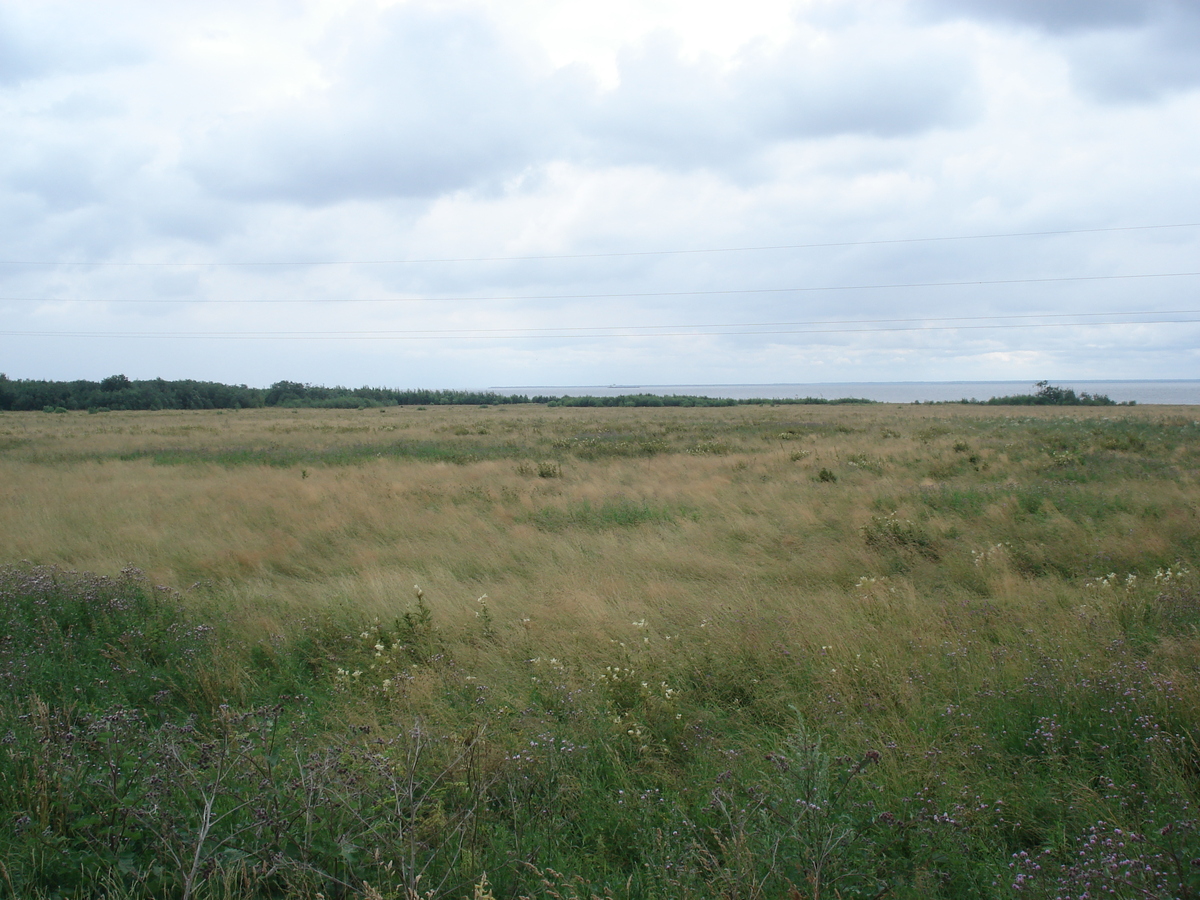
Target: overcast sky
476,194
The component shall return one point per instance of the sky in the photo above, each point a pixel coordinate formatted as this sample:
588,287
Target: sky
644,192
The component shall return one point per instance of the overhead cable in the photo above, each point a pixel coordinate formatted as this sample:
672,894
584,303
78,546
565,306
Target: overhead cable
615,296
530,334
605,255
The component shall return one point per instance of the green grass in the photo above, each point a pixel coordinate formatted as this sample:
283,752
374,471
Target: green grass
964,668
617,513
459,453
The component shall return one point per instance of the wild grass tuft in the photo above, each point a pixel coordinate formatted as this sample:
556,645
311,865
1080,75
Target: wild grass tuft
615,513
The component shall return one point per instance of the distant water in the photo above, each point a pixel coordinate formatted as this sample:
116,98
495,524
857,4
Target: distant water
1161,392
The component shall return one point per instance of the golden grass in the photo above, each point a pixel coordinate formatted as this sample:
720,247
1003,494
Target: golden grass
754,528
943,592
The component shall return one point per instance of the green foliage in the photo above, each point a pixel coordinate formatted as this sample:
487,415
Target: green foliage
617,513
119,392
85,641
338,455
1007,705
611,445
1050,395
674,776
890,532
688,401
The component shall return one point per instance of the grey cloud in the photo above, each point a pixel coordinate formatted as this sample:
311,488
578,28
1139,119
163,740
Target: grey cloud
1119,50
50,41
1053,15
440,101
1141,65
878,91
19,60
62,178
85,106
66,173
668,110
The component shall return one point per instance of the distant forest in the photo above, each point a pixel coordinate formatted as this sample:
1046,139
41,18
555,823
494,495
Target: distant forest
118,392
1049,395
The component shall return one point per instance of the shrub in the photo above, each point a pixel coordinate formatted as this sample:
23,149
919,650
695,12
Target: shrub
893,533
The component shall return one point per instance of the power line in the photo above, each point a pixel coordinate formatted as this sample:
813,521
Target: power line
775,325
821,322
630,253
616,296
531,334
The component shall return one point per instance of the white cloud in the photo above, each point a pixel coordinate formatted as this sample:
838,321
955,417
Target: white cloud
429,100
334,132
420,100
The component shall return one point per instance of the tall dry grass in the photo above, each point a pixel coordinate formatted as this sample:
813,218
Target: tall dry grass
747,526
673,590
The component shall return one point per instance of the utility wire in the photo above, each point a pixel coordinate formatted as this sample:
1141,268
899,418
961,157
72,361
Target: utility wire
618,296
528,334
821,322
631,253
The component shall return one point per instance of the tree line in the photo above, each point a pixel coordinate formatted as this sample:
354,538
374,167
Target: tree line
117,392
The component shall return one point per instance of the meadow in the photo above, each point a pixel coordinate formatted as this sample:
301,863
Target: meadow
518,651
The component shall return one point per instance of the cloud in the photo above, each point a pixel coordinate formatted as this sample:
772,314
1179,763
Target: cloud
434,100
675,112
1140,64
51,41
335,131
19,58
438,100
1059,16
1119,50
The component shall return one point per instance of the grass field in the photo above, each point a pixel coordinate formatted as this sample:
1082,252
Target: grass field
747,652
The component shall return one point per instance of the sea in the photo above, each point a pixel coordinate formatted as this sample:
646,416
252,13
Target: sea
1185,393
